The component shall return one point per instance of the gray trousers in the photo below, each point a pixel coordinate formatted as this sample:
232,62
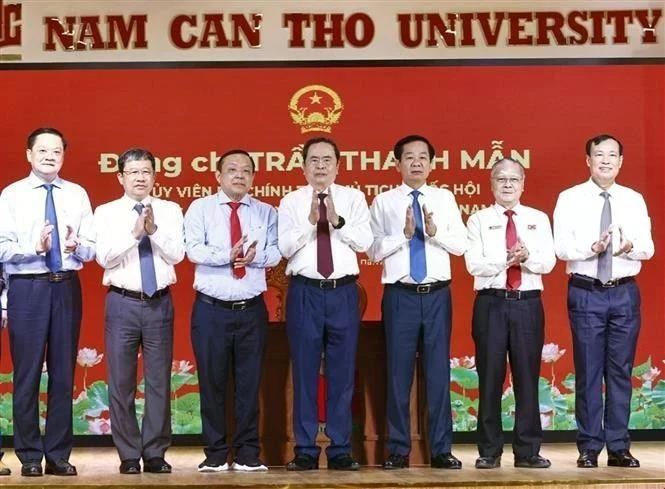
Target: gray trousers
131,324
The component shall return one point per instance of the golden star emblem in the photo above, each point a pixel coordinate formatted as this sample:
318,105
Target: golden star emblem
315,99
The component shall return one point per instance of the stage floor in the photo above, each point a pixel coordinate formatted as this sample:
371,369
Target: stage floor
98,468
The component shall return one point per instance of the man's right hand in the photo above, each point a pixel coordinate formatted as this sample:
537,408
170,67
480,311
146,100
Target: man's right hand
4,319
409,223
314,209
44,243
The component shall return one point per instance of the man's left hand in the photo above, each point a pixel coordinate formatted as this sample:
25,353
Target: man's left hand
71,240
150,226
332,216
430,227
247,258
625,245
517,254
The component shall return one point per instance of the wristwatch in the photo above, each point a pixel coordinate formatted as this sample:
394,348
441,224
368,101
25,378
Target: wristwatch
340,222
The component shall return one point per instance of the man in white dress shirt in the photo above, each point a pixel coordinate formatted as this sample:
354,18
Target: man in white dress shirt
140,239
510,247
46,234
603,231
321,228
416,227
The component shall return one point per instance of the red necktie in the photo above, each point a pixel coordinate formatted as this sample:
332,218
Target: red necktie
236,235
324,260
514,273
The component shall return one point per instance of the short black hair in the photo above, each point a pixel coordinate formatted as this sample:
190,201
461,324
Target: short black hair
236,152
45,130
310,142
398,150
596,140
135,154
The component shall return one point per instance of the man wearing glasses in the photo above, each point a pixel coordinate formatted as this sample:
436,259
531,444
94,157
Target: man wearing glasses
139,240
510,247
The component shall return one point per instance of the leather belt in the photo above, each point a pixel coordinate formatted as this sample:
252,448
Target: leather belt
139,296
511,295
421,288
586,282
233,305
52,277
327,283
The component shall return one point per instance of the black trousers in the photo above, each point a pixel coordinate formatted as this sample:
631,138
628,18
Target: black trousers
44,320
513,328
224,341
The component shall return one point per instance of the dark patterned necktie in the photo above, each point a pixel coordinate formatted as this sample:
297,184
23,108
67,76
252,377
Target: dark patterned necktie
324,259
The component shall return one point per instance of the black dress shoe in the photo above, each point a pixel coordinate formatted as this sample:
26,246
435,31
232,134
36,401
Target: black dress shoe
342,462
303,462
445,461
156,465
532,462
395,461
31,469
488,462
60,467
621,458
588,459
130,466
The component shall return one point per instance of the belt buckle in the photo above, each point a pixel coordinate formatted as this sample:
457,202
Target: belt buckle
423,288
610,283
512,295
328,283
55,277
239,306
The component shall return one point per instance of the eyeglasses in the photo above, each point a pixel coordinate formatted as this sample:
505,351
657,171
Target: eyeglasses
136,173
511,181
